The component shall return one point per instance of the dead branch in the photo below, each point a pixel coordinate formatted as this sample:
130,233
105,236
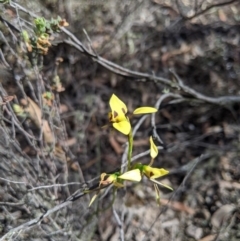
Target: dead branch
119,70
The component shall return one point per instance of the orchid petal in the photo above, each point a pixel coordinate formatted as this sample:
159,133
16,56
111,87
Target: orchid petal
144,110
153,148
152,172
118,107
157,191
123,126
93,199
133,175
161,184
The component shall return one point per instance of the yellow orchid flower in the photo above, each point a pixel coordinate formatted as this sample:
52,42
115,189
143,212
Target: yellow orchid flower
152,173
117,180
111,179
118,117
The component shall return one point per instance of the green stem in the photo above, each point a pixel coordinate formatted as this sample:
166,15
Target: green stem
130,147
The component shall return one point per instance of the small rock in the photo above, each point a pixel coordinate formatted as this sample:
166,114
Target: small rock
221,215
194,232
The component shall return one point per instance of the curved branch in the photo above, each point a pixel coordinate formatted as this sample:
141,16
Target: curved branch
223,100
221,4
119,70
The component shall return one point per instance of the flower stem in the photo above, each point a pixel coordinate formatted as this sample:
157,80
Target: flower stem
151,162
130,147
